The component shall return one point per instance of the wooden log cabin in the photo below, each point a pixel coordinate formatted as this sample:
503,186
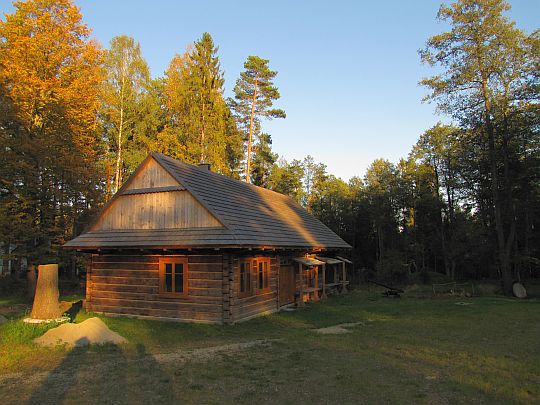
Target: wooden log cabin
179,242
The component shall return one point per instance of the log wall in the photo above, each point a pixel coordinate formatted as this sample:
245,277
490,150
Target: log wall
259,303
129,285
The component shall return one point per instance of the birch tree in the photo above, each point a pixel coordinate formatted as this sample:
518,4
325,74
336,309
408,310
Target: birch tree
127,78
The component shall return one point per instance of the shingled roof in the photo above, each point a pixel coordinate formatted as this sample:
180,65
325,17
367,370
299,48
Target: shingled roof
251,216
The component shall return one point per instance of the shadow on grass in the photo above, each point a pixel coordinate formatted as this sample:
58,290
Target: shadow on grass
105,374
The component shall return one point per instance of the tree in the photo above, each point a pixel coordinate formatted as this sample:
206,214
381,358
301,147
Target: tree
148,123
263,161
439,147
50,75
205,87
488,66
380,189
254,95
314,177
199,125
127,79
286,178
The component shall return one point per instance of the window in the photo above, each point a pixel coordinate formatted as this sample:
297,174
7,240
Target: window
245,288
253,271
173,276
263,273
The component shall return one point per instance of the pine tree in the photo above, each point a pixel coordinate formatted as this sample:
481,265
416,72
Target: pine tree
200,126
263,160
205,88
254,95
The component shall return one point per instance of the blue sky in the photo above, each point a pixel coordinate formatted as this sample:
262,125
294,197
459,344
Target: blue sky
348,70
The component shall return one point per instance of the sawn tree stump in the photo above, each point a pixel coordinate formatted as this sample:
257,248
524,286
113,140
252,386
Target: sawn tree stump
46,304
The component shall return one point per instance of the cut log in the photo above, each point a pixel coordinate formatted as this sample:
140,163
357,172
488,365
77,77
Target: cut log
46,304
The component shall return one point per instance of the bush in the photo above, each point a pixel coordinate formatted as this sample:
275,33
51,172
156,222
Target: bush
393,269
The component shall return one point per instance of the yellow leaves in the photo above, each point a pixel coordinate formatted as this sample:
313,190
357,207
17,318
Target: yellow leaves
51,70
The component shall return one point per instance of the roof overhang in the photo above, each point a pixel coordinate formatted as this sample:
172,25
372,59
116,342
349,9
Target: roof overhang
329,260
308,261
343,259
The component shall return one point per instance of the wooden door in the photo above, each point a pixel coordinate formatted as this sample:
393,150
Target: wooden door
287,285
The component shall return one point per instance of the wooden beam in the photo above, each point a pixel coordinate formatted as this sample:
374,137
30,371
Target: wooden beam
316,292
301,273
344,285
323,281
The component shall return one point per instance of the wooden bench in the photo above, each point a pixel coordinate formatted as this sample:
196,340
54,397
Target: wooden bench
338,288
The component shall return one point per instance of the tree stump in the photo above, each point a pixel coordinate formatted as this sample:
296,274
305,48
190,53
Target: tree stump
31,278
46,304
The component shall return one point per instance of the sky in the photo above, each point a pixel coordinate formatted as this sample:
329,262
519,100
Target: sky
348,71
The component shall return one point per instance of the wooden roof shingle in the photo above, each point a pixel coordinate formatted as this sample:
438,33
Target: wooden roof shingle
252,217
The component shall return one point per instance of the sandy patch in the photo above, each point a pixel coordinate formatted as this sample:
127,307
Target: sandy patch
208,353
91,331
337,329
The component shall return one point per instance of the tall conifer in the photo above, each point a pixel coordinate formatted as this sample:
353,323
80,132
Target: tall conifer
254,95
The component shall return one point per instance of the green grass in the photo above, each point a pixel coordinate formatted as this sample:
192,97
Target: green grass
408,350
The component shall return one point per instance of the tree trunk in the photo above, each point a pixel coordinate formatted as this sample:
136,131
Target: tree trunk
119,153
504,244
203,135
31,279
117,173
46,304
250,137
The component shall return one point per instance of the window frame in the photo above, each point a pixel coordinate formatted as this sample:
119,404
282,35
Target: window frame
262,260
248,292
162,281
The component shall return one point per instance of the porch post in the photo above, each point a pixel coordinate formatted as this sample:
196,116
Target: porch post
316,292
301,274
344,289
323,281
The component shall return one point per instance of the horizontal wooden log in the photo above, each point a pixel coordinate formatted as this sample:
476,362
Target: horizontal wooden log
256,315
205,292
180,304
202,283
270,301
240,313
155,297
126,280
147,289
205,259
125,266
125,273
256,298
200,276
208,267
124,259
186,315
209,275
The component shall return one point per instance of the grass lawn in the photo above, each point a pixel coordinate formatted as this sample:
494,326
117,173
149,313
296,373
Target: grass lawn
408,350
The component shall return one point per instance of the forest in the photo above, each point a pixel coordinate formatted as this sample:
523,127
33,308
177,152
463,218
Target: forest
77,119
